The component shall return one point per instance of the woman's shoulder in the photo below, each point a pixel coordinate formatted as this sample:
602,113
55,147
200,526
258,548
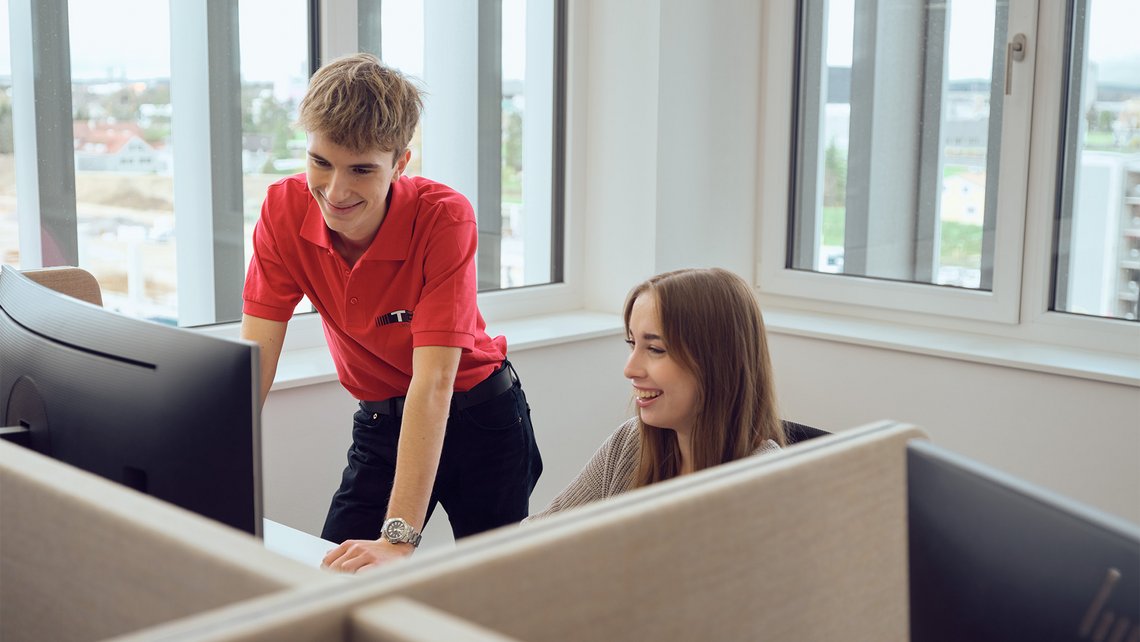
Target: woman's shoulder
627,435
620,448
629,426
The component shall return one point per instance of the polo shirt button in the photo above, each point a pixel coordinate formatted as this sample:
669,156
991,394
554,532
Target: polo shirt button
347,272
353,300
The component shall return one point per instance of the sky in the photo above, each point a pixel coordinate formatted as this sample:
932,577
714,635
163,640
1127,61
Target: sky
272,33
1113,35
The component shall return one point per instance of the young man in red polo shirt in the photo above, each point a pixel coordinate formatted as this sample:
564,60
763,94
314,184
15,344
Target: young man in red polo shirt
388,261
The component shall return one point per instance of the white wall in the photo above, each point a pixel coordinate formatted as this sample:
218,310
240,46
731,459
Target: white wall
672,141
619,181
1077,437
708,134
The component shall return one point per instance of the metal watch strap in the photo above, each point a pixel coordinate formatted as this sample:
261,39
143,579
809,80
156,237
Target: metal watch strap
407,534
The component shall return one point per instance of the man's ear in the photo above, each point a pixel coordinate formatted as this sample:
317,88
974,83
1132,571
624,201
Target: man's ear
401,164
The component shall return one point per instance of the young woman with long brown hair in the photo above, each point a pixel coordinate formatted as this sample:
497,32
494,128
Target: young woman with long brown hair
702,384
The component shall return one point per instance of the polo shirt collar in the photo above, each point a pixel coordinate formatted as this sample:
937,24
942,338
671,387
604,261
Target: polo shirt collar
394,237
313,228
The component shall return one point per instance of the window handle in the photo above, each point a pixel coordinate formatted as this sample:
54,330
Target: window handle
1014,52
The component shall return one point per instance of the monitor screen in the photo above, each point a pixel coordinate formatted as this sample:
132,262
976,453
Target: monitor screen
168,411
995,558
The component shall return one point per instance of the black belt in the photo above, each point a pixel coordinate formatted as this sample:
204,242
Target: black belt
494,385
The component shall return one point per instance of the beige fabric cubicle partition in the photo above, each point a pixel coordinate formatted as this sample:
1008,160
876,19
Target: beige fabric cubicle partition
82,558
806,544
399,619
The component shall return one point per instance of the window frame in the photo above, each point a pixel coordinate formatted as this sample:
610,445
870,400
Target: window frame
1020,306
1000,304
45,182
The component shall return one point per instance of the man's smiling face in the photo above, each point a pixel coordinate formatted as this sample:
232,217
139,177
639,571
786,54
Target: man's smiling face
351,187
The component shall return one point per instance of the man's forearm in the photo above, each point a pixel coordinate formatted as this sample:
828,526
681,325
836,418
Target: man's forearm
421,442
417,458
269,337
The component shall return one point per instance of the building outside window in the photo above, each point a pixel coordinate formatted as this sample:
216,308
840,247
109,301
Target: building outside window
122,118
1098,235
870,119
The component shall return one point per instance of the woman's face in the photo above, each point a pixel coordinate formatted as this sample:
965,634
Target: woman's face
665,392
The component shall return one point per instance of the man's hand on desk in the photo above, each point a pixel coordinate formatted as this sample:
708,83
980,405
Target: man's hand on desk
360,554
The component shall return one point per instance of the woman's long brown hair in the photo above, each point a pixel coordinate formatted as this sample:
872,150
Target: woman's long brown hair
711,324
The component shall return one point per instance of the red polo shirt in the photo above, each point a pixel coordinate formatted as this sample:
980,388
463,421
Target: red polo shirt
421,261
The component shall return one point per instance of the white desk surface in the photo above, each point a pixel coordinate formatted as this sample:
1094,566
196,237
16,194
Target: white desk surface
294,544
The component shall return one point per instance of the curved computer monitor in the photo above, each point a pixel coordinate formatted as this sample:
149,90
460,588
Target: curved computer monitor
167,411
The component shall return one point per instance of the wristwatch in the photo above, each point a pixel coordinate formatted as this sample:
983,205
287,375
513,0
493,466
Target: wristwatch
398,531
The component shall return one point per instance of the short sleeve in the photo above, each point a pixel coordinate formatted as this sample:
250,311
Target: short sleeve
270,290
447,313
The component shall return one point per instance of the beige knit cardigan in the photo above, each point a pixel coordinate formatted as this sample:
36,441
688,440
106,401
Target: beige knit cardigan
610,471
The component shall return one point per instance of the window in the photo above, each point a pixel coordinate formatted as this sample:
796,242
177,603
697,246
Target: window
927,144
274,76
510,87
174,246
1098,238
121,125
901,125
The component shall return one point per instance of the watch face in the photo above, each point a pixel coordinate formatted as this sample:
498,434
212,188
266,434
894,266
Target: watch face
396,530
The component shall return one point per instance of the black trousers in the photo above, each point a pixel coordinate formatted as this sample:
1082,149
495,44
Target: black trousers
487,470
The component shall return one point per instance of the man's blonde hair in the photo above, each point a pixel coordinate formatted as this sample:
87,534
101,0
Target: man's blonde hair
362,104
